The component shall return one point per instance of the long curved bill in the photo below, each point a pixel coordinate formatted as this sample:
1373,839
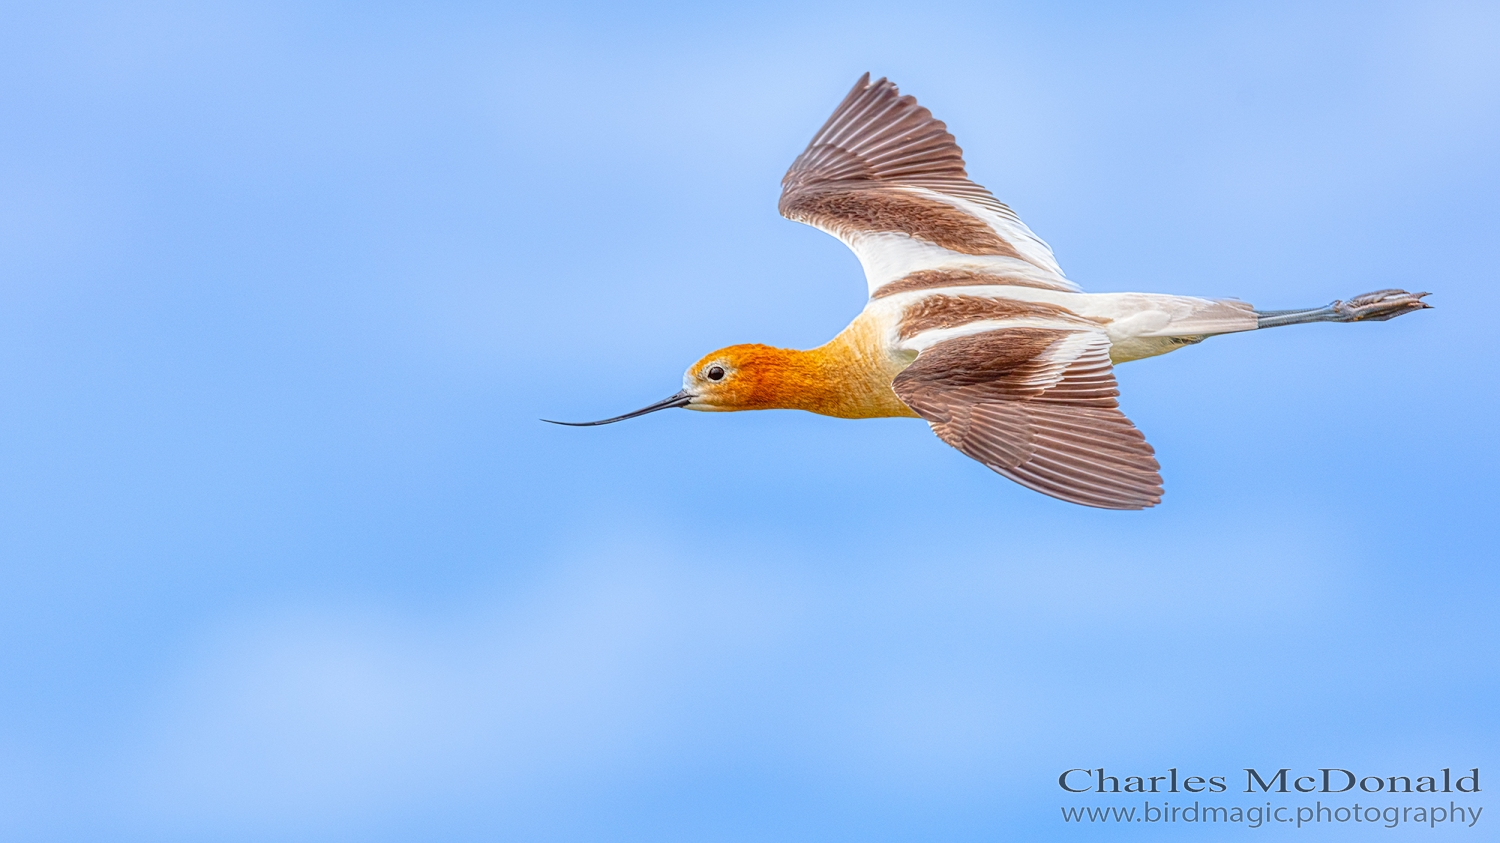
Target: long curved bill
681,399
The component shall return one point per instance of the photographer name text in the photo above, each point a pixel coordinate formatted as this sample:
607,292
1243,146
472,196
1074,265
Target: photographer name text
1283,780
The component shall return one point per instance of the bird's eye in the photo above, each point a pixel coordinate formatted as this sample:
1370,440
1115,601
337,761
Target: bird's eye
715,373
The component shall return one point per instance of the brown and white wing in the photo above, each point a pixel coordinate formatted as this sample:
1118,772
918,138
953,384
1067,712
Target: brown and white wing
1038,406
885,176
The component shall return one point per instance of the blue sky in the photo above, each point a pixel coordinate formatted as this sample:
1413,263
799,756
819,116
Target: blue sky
287,555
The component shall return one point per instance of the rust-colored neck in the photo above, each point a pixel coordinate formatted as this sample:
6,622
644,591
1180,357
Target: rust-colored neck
850,377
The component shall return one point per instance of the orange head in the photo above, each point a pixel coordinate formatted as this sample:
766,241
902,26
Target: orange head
753,377
834,379
744,377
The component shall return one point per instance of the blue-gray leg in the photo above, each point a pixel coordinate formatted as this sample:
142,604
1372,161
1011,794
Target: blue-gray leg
1370,307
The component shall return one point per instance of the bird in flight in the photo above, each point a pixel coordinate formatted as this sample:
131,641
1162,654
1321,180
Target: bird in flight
971,324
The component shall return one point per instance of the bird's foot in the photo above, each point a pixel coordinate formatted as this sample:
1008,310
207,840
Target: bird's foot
1378,306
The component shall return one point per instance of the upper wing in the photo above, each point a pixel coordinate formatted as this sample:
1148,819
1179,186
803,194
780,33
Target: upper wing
1038,406
884,176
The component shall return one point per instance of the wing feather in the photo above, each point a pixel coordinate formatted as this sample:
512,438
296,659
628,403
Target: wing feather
1037,405
880,149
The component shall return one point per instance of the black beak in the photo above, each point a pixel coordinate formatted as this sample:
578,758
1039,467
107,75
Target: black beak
681,399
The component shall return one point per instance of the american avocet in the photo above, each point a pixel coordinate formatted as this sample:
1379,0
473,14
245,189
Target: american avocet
971,324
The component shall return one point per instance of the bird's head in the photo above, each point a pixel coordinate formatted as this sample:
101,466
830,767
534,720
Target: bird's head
737,377
749,377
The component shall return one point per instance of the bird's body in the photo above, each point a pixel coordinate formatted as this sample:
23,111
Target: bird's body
971,324
851,376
